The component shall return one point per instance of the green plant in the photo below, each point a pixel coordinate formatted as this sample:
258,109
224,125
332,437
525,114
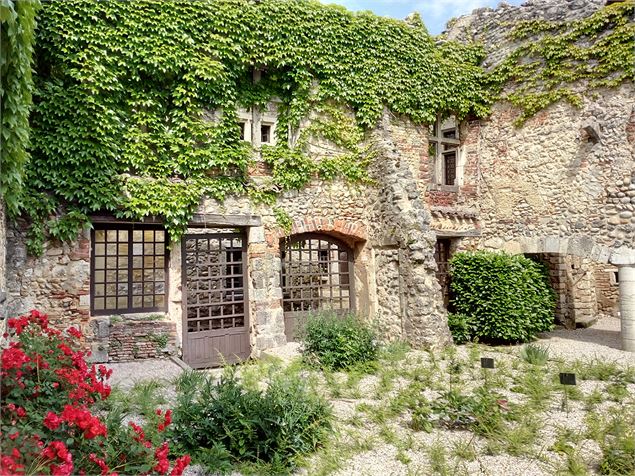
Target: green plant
508,298
17,27
534,354
618,447
149,88
272,426
161,340
55,417
460,327
336,342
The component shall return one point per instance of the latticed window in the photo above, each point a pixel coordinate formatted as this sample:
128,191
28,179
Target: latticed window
444,150
128,269
316,274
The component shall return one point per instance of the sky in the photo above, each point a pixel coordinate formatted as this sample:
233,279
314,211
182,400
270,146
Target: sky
435,13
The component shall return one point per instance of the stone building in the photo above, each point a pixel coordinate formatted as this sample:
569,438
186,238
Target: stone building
560,188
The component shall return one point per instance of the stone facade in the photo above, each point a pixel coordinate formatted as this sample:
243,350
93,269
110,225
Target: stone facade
544,189
547,187
385,224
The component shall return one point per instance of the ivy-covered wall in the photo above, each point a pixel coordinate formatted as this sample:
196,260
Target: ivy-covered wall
122,89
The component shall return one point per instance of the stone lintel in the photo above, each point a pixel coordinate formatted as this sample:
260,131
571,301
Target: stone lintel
457,234
197,220
623,256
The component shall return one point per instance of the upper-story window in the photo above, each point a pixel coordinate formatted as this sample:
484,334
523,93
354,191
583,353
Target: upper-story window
444,142
265,133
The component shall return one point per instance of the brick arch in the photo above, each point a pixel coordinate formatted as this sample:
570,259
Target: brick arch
350,232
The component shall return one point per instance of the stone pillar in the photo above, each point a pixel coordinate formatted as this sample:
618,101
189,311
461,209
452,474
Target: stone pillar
626,278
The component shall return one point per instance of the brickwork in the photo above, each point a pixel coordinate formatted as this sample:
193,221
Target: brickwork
126,338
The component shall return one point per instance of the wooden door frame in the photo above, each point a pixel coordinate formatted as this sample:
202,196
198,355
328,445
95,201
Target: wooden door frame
242,233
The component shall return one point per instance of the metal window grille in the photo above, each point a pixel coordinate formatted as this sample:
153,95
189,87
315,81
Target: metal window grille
316,274
215,281
128,269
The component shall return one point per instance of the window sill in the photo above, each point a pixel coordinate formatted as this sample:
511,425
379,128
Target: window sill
443,188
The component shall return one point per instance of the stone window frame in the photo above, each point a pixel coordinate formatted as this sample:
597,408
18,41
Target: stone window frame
437,152
130,229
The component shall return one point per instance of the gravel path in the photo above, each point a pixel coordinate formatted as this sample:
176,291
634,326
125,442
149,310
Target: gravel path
602,340
377,456
126,374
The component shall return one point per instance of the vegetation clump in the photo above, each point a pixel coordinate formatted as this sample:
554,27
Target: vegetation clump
228,422
335,342
507,298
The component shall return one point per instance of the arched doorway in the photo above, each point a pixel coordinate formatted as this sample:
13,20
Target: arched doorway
317,274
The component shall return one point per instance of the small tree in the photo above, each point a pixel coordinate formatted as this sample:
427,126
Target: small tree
506,298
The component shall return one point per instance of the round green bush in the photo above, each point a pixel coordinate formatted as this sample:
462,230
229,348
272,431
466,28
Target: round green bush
337,342
508,298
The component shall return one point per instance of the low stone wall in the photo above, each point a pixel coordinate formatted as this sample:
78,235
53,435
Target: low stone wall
607,288
120,339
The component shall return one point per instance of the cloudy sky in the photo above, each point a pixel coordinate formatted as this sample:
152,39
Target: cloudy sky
435,13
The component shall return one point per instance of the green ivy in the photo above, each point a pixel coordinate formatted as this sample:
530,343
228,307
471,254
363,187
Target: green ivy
125,92
135,102
560,60
17,22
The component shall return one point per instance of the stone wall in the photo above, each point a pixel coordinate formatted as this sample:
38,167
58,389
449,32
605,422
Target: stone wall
57,283
132,338
607,288
548,180
3,261
386,224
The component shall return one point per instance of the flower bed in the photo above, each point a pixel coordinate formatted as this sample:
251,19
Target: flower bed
54,419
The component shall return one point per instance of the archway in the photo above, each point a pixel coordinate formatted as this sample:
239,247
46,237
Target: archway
317,274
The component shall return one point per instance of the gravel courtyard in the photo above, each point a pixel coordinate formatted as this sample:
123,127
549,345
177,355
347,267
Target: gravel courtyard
545,432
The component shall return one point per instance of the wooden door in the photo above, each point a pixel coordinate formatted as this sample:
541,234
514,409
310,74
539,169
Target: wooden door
215,303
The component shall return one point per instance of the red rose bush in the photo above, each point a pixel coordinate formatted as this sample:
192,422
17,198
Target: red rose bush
50,419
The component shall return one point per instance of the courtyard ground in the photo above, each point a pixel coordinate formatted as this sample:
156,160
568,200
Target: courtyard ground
415,413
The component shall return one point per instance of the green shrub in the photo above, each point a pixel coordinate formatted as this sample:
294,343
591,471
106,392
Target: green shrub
534,354
460,327
508,298
227,423
338,342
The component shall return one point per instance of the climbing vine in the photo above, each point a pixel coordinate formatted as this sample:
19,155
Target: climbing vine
17,22
135,102
135,105
562,60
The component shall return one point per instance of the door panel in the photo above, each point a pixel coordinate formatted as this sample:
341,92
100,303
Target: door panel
215,304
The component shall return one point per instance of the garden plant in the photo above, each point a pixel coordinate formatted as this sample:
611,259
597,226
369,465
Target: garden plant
53,417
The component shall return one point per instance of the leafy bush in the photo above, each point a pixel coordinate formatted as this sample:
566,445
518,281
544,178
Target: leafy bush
460,327
508,298
50,405
338,342
228,420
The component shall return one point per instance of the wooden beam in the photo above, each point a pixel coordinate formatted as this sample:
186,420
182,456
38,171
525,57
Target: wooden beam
198,220
217,219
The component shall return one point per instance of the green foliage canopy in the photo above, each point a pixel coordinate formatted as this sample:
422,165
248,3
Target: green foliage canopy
17,23
124,89
508,298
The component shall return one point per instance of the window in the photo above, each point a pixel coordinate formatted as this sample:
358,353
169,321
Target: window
265,133
444,150
242,130
128,269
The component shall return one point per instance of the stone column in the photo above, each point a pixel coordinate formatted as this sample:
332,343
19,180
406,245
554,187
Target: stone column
626,275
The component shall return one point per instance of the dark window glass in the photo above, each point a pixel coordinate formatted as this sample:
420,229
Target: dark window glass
265,134
129,269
